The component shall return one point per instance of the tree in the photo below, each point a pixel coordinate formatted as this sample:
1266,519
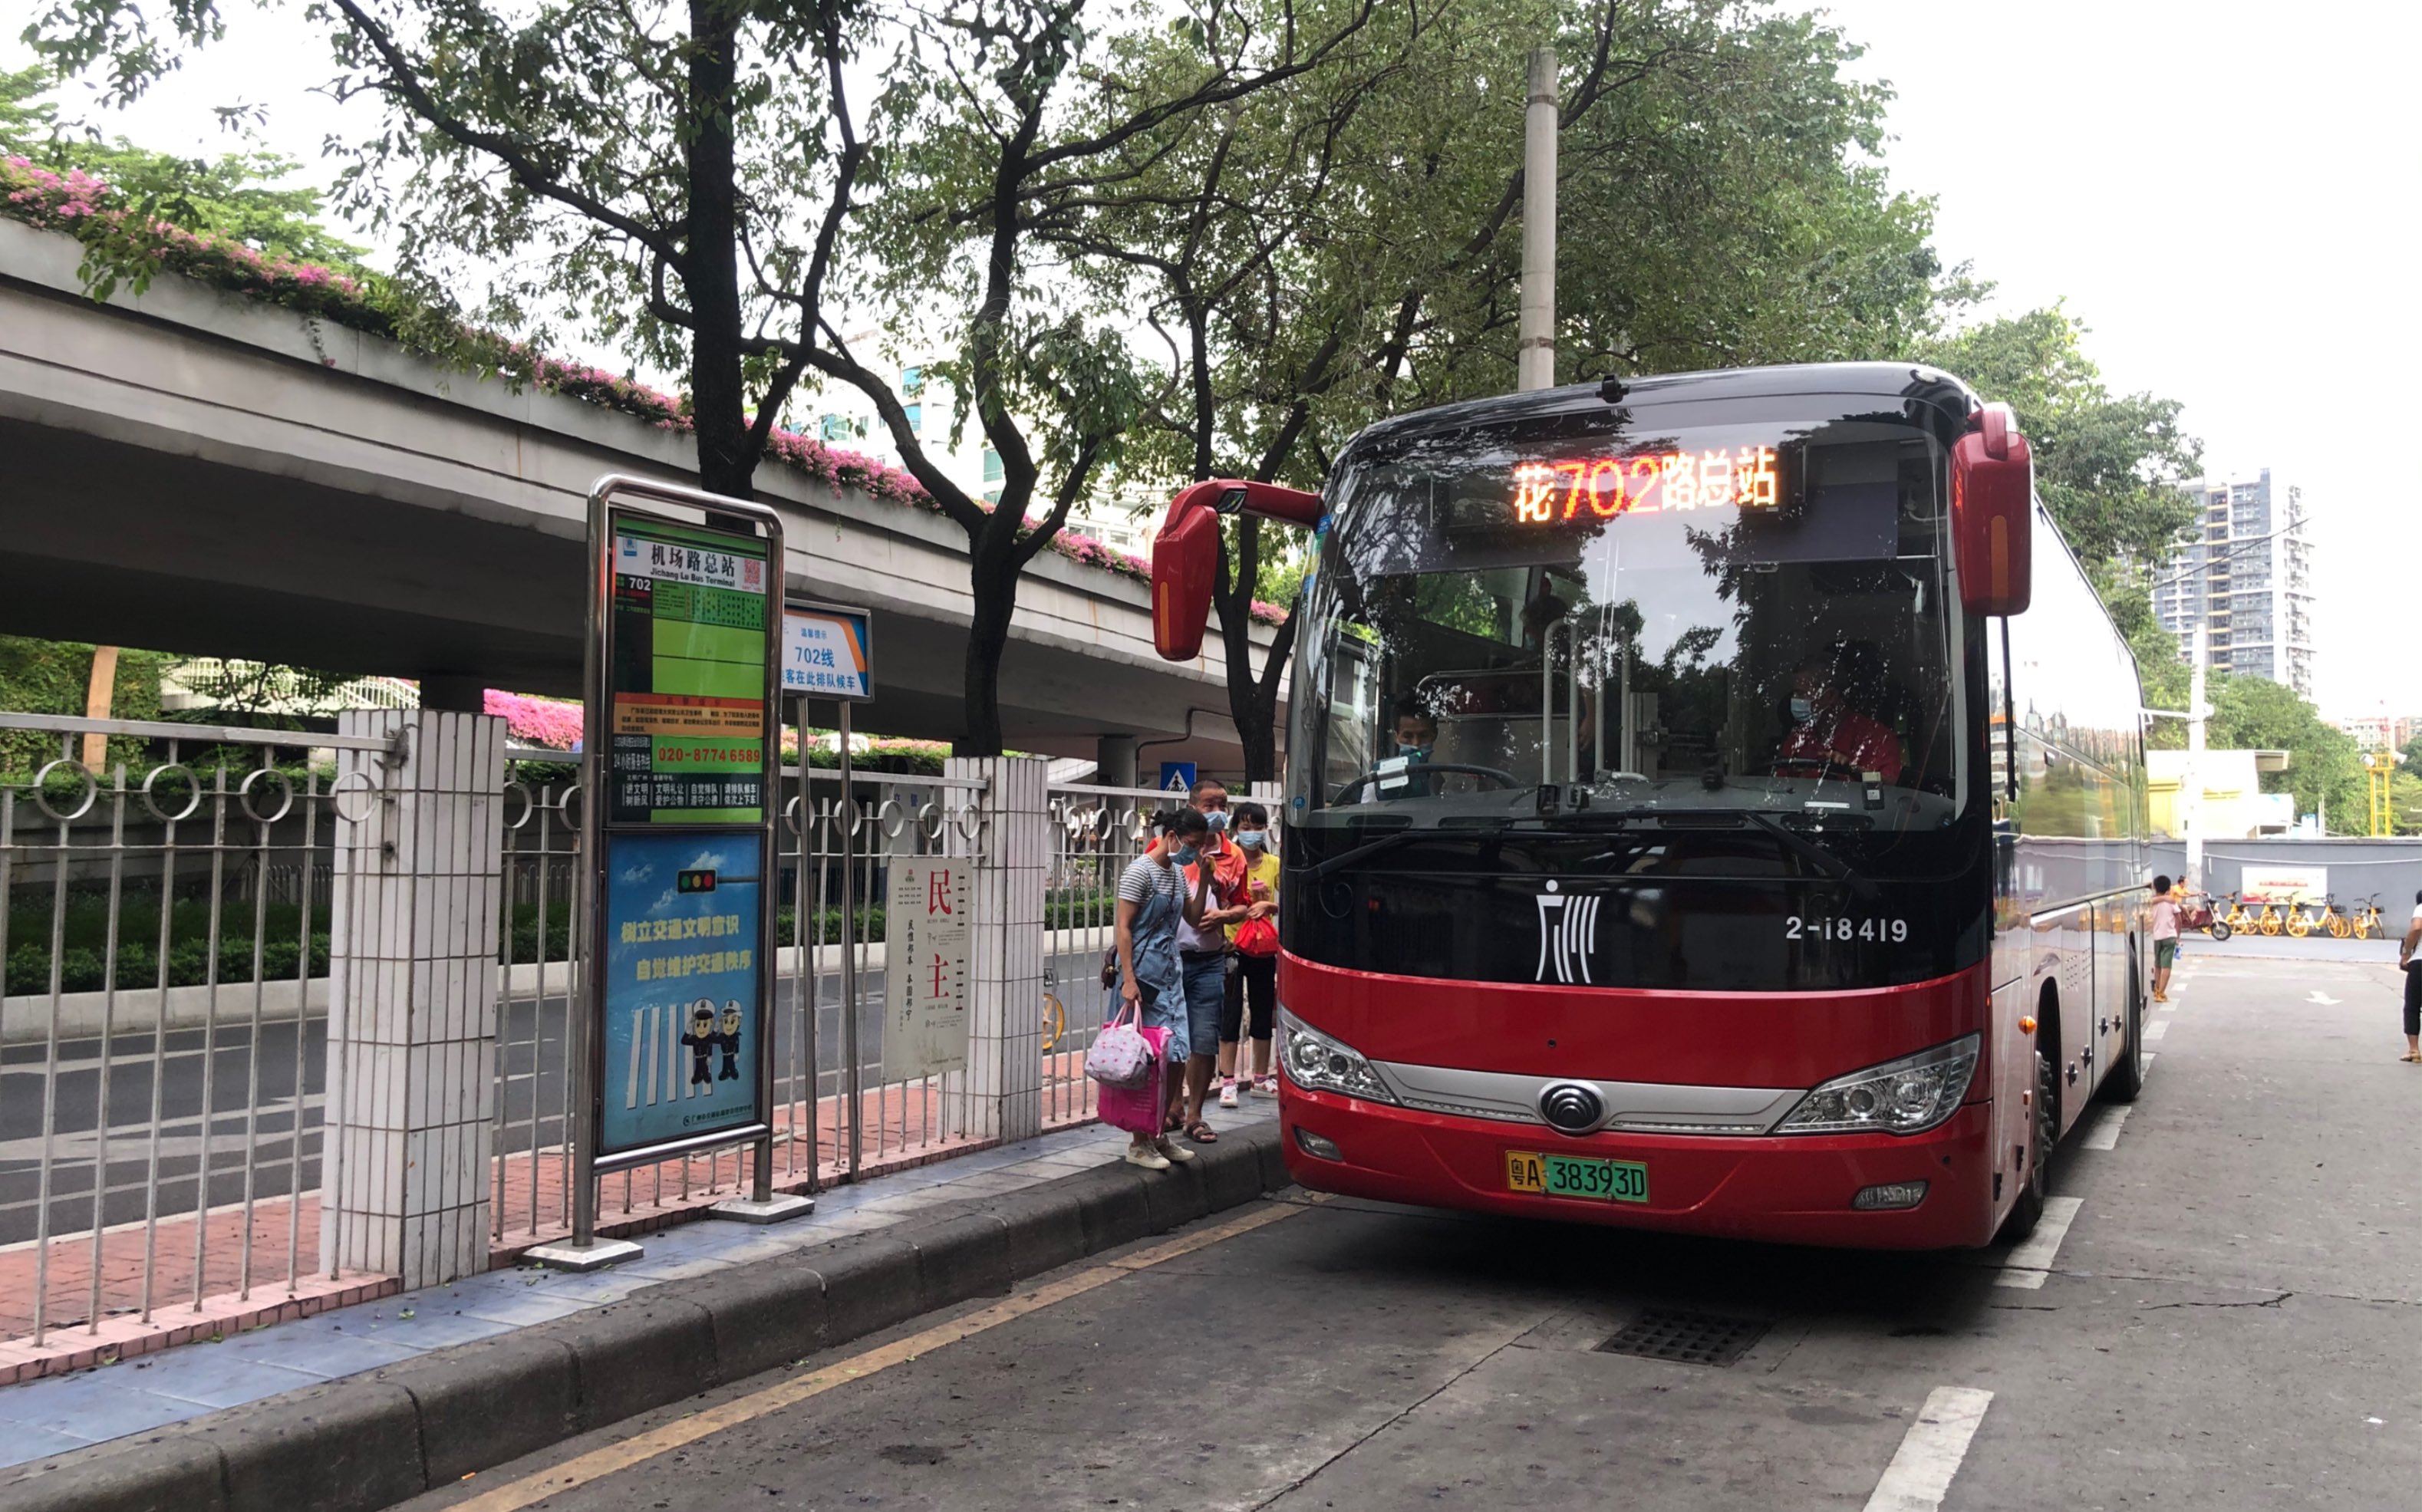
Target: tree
1352,248
239,195
696,182
2109,466
2324,768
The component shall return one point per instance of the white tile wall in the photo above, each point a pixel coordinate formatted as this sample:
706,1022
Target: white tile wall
413,1005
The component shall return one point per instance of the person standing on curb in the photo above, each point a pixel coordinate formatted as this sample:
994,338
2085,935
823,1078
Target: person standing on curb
2166,938
1253,961
2412,969
1151,905
1214,900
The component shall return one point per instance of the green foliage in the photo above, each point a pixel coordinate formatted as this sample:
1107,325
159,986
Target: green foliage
2107,465
84,953
51,677
2325,765
236,195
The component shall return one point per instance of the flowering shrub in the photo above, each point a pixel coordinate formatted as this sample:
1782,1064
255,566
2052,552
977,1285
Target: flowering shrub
77,204
550,722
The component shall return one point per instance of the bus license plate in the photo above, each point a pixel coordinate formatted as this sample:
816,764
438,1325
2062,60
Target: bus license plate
1564,1176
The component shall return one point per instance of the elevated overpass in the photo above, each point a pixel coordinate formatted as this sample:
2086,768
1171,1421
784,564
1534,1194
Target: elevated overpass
189,470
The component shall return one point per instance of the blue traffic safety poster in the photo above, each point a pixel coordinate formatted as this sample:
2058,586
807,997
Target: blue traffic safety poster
681,989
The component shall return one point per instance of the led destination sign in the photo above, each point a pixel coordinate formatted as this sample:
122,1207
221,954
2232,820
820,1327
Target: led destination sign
1648,482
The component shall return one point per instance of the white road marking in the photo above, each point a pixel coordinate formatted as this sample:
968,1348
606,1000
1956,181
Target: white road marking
2158,1028
1920,1473
2027,1267
2145,1066
2104,1135
2324,998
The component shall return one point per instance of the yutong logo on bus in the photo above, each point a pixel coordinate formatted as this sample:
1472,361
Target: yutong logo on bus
1568,934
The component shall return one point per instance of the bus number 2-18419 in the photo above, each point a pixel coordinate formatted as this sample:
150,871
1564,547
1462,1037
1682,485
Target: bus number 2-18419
1893,931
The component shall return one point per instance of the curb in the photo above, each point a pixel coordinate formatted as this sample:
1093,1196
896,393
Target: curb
373,1440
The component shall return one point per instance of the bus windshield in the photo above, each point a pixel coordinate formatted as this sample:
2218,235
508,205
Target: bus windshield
1744,617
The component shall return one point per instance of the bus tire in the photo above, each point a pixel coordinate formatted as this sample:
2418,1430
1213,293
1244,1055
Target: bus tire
2029,1209
2127,1078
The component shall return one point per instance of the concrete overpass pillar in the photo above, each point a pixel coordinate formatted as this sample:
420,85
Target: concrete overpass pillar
453,692
1012,856
412,999
1116,757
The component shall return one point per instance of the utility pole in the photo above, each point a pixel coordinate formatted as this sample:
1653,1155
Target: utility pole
2190,785
1535,361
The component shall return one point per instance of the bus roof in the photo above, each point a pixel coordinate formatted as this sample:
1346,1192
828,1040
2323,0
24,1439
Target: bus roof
1905,383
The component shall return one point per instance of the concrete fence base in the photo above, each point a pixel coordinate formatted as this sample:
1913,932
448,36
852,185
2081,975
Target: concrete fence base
371,1441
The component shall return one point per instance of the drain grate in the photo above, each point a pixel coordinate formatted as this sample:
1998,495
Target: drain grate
1689,1338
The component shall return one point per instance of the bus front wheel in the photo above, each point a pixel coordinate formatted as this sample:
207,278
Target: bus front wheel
2029,1209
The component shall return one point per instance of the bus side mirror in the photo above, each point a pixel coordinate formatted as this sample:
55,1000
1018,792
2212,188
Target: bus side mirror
1185,552
1184,561
1992,506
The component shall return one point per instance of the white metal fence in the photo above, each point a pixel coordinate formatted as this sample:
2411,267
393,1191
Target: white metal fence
160,1052
165,926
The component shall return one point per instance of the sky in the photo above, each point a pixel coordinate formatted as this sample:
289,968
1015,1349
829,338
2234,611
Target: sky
2225,195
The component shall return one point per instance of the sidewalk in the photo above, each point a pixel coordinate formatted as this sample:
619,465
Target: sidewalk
50,1416
905,1125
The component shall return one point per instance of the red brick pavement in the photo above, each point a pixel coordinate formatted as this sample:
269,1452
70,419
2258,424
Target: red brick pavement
904,1126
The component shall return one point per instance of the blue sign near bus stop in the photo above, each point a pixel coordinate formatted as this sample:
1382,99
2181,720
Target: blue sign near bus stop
1177,776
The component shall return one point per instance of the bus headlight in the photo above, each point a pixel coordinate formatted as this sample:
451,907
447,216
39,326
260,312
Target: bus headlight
1319,1063
1905,1096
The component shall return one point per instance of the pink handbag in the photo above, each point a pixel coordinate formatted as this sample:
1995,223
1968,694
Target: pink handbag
1138,1109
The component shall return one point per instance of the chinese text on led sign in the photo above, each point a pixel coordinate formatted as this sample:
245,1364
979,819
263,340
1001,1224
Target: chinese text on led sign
1647,483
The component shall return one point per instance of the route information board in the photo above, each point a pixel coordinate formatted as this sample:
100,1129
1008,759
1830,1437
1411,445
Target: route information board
686,675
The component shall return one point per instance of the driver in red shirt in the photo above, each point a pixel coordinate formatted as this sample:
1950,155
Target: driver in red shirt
1827,728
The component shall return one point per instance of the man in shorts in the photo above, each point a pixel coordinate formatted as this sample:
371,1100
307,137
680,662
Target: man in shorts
1215,885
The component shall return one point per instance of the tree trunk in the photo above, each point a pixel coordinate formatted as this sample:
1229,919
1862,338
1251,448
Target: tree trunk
727,462
992,577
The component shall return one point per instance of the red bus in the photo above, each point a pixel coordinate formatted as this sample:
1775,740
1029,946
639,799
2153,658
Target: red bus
1714,803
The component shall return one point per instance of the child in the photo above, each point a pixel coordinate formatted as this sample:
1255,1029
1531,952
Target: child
2166,938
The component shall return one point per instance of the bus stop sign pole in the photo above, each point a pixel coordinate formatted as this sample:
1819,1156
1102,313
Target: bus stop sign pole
680,770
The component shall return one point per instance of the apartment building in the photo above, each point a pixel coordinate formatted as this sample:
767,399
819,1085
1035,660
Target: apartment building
2247,576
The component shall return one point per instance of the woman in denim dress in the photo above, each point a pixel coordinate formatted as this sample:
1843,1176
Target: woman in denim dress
1151,898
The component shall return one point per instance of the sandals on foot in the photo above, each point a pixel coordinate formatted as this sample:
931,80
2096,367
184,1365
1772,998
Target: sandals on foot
1202,1133
2409,1057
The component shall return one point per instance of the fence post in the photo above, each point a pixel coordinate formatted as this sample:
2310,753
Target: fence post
412,1000
1003,1088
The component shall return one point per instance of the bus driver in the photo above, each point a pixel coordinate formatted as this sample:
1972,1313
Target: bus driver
1829,728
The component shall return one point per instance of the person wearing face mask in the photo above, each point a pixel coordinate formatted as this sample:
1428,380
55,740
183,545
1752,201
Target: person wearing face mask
1416,743
1151,905
1830,734
1215,882
1254,966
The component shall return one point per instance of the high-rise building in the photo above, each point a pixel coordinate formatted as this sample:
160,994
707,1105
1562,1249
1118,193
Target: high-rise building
2247,577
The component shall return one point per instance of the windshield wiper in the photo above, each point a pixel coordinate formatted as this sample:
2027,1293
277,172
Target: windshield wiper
1808,850
1389,842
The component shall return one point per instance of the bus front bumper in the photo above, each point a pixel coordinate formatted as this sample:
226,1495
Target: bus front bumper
1790,1189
